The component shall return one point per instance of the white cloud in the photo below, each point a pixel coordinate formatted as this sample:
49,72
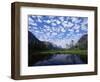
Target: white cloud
58,29
51,17
85,21
65,22
61,43
54,33
68,34
44,37
74,19
77,31
67,25
79,34
64,43
76,26
39,20
53,20
48,34
29,27
45,30
37,31
54,29
53,24
48,21
35,28
71,30
63,30
33,23
30,19
46,27
58,22
70,24
83,27
61,19
39,16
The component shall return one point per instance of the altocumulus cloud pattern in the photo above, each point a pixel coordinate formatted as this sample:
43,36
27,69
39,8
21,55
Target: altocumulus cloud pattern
59,30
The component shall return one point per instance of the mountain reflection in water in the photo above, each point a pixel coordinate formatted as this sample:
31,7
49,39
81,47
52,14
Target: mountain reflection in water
60,59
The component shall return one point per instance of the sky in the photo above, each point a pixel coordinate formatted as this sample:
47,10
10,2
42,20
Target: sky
59,30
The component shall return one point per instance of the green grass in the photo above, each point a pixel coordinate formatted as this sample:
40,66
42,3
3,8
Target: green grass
80,52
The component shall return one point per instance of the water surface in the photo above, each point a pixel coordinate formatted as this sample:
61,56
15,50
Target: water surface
60,59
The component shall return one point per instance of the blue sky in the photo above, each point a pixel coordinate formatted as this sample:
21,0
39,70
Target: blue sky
59,30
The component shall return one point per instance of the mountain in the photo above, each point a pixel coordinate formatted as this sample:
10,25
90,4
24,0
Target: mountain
32,38
35,44
83,39
82,42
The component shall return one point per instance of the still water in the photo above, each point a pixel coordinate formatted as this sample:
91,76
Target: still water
60,59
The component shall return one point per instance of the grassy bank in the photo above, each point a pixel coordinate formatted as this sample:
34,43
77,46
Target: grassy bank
80,52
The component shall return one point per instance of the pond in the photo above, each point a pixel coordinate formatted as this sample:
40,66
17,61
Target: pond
59,59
